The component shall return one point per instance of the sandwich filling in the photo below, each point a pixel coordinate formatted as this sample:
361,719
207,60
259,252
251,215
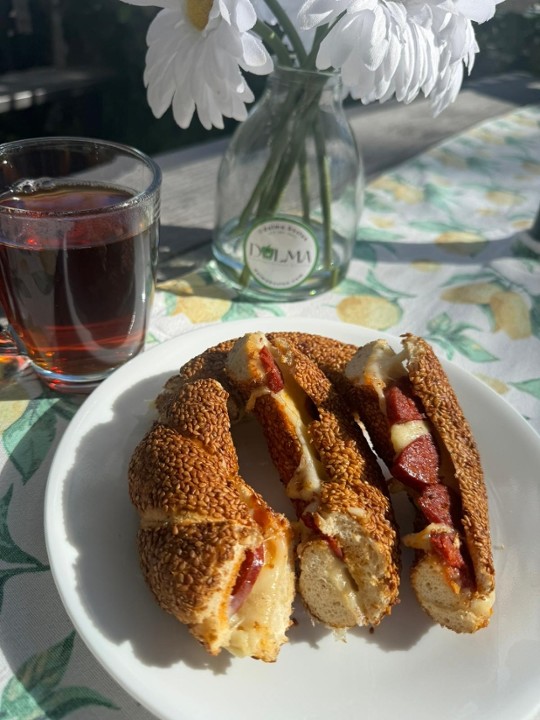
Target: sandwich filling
264,574
419,463
346,575
304,487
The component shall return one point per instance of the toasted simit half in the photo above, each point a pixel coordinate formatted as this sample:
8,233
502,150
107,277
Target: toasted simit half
417,427
213,553
348,559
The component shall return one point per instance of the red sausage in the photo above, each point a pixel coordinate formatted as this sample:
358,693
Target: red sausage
417,465
248,574
400,403
434,502
274,378
443,545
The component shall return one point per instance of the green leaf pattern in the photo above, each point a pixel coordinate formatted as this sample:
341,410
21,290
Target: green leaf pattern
33,692
29,439
9,551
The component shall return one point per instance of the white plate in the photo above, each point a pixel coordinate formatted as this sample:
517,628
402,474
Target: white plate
407,669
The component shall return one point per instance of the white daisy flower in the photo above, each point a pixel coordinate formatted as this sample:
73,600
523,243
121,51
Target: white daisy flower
197,50
386,48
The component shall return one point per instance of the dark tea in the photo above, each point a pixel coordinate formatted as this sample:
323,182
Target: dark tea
77,294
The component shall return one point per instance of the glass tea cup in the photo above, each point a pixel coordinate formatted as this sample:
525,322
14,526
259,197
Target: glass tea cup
78,252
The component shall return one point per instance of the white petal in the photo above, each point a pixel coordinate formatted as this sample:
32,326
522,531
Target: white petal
338,44
255,58
379,39
315,12
202,71
244,15
397,15
448,90
183,110
391,60
163,23
159,97
361,5
477,10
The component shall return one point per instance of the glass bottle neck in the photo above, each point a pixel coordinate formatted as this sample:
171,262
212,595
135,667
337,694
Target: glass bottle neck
327,84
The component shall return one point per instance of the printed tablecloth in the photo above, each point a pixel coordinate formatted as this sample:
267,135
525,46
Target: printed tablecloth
442,251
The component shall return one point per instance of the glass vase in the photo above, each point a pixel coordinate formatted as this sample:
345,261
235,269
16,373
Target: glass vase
290,191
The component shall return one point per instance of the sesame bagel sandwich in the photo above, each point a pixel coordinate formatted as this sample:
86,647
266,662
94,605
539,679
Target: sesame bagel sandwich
417,427
213,553
348,565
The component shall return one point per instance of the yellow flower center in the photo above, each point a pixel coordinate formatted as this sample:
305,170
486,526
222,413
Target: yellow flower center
198,12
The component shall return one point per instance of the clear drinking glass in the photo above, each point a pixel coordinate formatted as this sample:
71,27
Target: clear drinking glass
78,251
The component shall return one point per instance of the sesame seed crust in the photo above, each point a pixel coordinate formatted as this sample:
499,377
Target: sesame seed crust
465,609
432,386
183,564
198,519
376,524
176,477
365,397
199,411
337,440
351,472
330,355
354,478
283,444
208,365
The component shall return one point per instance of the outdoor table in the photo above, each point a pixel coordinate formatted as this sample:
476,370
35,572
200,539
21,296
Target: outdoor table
442,252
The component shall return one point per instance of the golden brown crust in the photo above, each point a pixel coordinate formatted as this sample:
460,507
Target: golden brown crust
199,518
352,477
199,411
182,563
432,386
338,442
208,365
463,611
174,478
331,356
366,398
283,445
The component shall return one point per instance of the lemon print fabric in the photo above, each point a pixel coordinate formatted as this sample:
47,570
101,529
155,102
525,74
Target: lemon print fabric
509,310
461,242
368,311
197,297
442,251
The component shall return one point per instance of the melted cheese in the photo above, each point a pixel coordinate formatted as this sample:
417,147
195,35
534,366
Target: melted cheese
482,606
251,625
376,364
421,540
255,395
403,434
308,476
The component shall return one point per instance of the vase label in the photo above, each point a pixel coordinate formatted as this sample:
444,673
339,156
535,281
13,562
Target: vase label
280,253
